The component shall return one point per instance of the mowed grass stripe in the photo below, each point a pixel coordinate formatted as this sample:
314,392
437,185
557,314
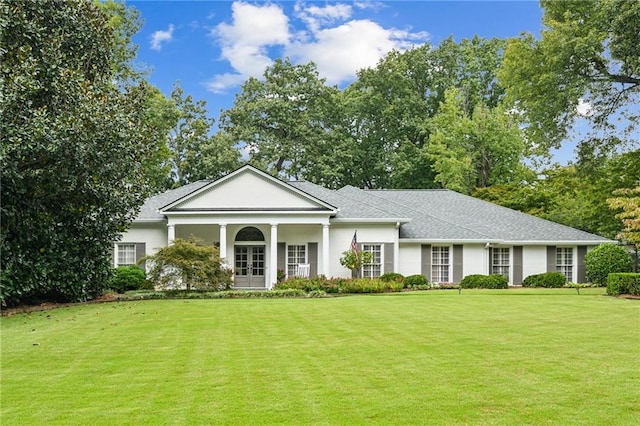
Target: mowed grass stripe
480,357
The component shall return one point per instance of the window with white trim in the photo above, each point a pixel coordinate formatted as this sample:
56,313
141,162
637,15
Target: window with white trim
564,262
372,269
500,261
126,254
296,254
440,261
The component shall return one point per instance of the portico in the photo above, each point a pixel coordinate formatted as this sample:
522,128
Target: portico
259,223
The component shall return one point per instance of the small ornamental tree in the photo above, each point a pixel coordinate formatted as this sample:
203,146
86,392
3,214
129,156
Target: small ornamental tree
606,259
355,259
189,264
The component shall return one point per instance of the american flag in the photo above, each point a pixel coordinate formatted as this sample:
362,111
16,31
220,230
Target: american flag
354,243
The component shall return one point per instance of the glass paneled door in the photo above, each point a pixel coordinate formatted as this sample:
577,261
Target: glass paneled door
249,267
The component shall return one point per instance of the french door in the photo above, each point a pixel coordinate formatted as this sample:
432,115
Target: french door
249,266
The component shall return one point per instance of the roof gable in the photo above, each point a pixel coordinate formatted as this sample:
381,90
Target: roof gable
247,189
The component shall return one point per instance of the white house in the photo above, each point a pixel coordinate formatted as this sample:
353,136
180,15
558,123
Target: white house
262,224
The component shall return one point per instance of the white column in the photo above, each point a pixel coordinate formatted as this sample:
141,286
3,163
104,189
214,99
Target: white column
223,243
171,234
325,250
273,256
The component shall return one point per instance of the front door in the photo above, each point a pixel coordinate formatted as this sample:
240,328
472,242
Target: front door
249,267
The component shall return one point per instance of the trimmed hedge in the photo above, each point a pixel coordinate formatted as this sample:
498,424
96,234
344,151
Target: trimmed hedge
547,280
484,281
127,278
416,281
392,276
341,285
623,283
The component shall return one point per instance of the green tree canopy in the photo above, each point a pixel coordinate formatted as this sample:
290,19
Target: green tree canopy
588,54
72,150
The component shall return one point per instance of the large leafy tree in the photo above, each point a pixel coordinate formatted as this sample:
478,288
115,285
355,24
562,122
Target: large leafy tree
283,120
72,150
473,150
588,55
187,137
390,107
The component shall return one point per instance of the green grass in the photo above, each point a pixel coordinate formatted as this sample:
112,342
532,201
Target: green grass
439,357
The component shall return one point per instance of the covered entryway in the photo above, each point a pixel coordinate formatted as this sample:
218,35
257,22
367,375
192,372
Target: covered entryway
249,267
249,258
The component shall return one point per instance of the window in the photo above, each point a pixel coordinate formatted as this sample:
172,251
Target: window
126,254
374,268
440,264
296,254
500,261
564,262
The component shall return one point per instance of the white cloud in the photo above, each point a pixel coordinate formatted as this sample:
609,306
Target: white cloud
160,36
337,44
584,108
244,42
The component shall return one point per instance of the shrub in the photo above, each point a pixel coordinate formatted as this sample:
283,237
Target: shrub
392,276
484,281
126,278
606,259
547,280
623,283
189,264
416,281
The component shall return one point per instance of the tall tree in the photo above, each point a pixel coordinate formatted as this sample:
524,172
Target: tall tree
588,56
282,120
475,150
187,138
72,151
391,106
628,201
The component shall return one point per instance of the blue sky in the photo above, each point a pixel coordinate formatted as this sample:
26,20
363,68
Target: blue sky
212,47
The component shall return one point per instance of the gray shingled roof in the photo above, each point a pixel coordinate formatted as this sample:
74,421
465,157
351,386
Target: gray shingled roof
468,216
149,210
433,214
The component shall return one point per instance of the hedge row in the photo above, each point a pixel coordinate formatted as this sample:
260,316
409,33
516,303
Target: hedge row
547,280
623,283
484,281
341,285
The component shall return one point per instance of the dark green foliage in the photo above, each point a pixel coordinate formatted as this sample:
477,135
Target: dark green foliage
623,283
72,151
341,285
484,281
127,278
547,279
416,281
392,276
606,259
189,264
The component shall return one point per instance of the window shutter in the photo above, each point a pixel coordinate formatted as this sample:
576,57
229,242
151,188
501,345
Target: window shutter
517,265
141,251
426,261
388,258
281,260
582,276
551,259
312,259
457,263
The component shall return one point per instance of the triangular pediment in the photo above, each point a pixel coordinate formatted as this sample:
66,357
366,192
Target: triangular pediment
248,189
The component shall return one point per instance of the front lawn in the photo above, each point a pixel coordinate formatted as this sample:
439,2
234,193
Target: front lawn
436,357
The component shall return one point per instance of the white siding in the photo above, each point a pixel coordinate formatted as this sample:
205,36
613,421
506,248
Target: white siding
247,190
340,236
475,260
155,235
410,262
534,260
